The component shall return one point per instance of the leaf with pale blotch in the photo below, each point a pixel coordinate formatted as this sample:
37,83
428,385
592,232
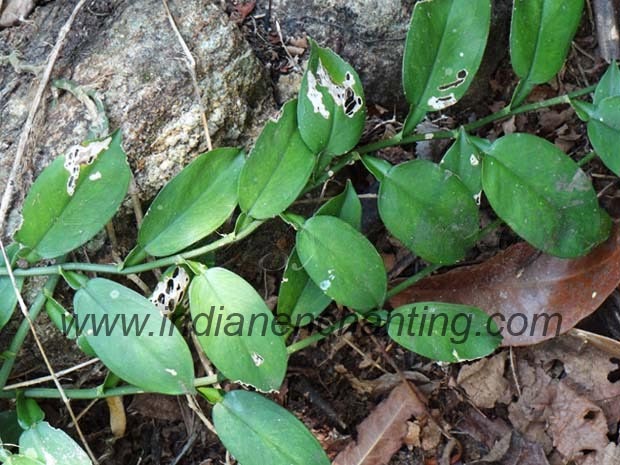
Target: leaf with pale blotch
57,221
331,109
444,48
257,431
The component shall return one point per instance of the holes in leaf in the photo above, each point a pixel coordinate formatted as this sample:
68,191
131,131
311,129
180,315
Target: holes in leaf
460,79
614,376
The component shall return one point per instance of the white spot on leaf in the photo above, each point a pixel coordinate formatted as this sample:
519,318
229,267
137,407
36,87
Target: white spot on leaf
473,159
439,103
171,371
95,176
257,359
114,294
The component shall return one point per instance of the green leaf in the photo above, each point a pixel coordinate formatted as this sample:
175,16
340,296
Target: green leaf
376,166
540,36
604,132
465,160
236,329
56,222
342,262
28,412
278,167
258,431
193,204
331,109
300,299
444,332
609,85
65,323
8,298
429,210
444,48
584,110
9,427
132,339
51,446
543,196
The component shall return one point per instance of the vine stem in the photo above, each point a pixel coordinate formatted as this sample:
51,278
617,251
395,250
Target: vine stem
97,392
160,263
507,112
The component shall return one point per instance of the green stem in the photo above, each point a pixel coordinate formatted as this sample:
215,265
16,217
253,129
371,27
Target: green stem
410,281
24,329
504,113
587,158
323,333
95,393
160,263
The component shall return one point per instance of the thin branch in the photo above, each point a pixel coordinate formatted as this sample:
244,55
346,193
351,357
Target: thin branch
24,309
9,190
191,64
44,379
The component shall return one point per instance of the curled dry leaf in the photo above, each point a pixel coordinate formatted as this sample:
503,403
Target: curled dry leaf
484,381
382,433
532,296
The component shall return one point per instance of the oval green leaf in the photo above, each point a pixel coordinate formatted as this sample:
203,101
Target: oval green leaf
236,329
604,132
278,167
444,48
444,332
132,339
342,262
331,110
8,298
56,221
51,446
543,196
258,431
300,299
464,159
429,210
193,204
540,36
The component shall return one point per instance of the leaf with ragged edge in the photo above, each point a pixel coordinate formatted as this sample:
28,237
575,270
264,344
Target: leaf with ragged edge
132,339
604,132
543,196
277,169
382,433
300,299
538,296
257,431
56,222
8,298
443,51
237,330
609,85
444,332
51,446
435,216
193,204
540,36
464,159
342,262
331,109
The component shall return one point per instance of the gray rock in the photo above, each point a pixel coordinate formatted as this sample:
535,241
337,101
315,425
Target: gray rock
127,51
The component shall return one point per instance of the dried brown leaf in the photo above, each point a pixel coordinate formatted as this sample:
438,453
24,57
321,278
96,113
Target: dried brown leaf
382,433
543,295
484,381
